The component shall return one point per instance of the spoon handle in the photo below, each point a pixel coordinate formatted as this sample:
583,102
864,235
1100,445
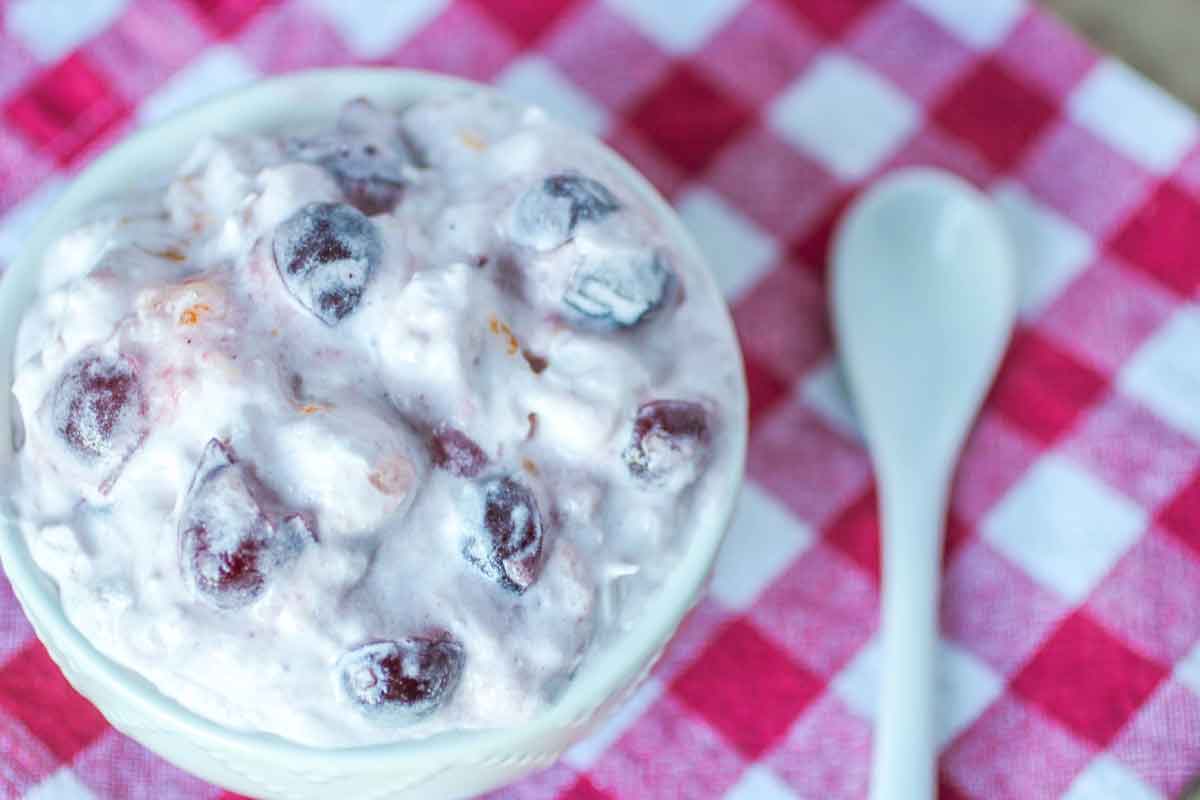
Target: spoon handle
905,753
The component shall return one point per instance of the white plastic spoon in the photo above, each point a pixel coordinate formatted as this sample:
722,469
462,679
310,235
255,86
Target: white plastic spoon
924,292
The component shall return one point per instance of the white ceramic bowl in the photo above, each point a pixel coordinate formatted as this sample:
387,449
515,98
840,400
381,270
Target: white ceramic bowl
445,766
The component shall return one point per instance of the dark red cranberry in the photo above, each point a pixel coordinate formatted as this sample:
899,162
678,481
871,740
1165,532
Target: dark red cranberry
452,450
669,445
326,253
229,540
619,289
98,408
547,214
402,681
366,156
507,547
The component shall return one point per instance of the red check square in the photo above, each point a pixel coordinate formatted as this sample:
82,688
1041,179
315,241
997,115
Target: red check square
855,532
947,791
34,691
995,111
226,17
747,687
688,118
66,109
526,20
1181,515
1088,679
583,789
832,17
1042,388
1160,238
765,388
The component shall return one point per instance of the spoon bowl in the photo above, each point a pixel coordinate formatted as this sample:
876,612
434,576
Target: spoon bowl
923,294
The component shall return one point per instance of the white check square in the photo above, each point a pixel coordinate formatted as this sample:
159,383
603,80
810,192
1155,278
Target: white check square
846,115
1164,374
537,81
1105,779
584,754
738,252
1187,670
678,27
371,29
53,28
1050,250
1135,116
760,783
1063,527
218,70
965,687
19,221
62,785
980,23
857,685
763,540
824,390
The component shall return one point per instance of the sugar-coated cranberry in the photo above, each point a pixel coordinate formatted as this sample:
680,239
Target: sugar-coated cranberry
98,409
507,544
669,445
452,450
229,540
547,214
404,680
618,289
366,156
326,253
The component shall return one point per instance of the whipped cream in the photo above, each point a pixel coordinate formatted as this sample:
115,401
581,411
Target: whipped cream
367,433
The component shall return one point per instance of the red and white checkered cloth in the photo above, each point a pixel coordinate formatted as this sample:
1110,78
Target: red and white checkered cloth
1071,653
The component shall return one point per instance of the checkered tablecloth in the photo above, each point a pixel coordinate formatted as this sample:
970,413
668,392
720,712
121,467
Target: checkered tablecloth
1070,664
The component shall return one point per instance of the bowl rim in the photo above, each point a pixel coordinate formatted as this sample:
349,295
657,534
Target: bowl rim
261,106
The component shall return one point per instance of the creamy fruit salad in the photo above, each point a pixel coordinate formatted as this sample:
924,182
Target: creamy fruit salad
366,433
